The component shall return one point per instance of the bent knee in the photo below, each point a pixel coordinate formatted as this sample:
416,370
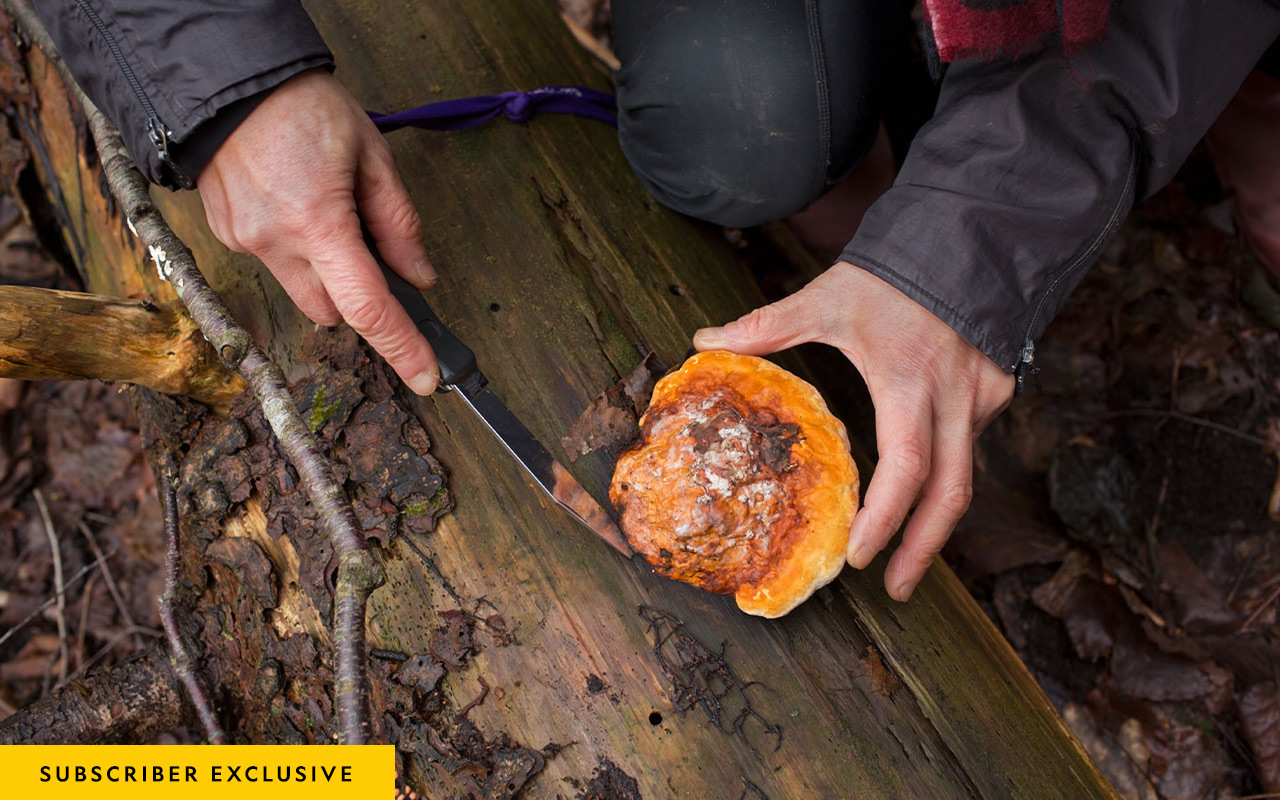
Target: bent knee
727,179
718,129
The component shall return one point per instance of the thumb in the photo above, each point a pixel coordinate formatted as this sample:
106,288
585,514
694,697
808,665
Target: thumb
766,330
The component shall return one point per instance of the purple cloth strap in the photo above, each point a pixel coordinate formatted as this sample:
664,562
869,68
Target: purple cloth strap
468,112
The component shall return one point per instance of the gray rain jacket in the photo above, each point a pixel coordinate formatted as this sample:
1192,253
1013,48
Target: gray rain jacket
1005,198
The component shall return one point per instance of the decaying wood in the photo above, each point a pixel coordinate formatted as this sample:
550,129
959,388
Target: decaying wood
47,334
134,701
603,680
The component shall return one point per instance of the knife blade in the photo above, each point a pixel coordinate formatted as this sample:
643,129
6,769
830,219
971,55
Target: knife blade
459,372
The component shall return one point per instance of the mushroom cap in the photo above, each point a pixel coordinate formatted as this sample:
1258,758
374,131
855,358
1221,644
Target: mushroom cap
741,483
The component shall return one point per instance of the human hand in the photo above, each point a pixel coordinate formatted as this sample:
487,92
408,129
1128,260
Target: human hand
933,392
292,184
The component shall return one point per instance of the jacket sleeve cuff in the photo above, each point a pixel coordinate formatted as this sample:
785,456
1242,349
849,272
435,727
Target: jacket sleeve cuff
1009,193
163,71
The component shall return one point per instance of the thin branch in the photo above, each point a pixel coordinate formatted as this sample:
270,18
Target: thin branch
1181,417
85,598
133,701
85,570
358,573
183,664
1257,612
105,649
121,605
57,582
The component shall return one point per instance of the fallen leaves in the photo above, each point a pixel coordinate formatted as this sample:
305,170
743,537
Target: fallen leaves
1259,709
1124,529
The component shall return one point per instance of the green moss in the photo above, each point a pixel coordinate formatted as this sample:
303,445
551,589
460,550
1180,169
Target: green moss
320,413
433,503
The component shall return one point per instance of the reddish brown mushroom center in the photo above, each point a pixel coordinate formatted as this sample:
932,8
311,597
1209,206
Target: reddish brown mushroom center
735,517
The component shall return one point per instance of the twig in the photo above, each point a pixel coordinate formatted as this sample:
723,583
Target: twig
1181,417
591,44
57,582
1153,547
107,648
358,572
85,597
85,570
1257,612
111,583
183,664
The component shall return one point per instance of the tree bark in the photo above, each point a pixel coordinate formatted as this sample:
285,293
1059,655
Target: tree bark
515,654
134,701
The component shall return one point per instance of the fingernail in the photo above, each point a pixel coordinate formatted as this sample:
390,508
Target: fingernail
708,338
904,591
424,383
426,272
862,556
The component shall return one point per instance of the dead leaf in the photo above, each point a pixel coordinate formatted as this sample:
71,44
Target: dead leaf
996,537
1201,607
1140,669
1186,763
611,420
1115,762
1091,610
1259,710
879,679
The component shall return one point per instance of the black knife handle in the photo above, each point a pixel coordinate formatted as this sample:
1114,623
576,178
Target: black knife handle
457,362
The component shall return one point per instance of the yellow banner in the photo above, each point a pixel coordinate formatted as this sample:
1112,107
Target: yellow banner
242,772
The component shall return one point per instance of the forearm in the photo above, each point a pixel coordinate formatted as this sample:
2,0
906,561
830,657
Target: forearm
172,75
1010,191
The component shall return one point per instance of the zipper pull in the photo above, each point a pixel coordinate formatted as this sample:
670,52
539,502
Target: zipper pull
159,136
1025,367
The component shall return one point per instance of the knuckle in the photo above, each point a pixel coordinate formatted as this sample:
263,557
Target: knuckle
911,458
921,557
954,499
249,234
761,322
403,218
366,314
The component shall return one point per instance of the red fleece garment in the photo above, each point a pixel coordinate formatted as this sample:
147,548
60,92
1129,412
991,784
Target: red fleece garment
987,28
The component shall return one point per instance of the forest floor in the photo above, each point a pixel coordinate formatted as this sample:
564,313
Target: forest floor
1125,532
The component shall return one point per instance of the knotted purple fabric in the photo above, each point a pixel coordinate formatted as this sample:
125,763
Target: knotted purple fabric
468,112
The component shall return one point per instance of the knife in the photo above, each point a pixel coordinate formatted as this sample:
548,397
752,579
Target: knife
459,372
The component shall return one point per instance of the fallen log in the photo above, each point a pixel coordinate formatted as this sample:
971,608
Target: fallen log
512,652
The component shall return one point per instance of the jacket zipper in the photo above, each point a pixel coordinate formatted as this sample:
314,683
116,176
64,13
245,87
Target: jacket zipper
156,130
1026,357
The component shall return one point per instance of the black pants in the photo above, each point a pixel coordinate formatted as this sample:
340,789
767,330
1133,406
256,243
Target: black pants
742,111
